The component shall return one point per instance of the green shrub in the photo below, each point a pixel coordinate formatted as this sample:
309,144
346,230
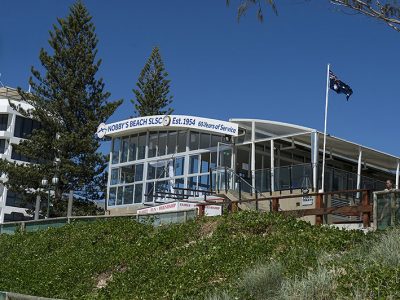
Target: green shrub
263,281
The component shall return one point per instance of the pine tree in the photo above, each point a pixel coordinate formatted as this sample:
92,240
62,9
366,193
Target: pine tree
152,95
69,102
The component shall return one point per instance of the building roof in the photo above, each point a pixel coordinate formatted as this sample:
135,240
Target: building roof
334,145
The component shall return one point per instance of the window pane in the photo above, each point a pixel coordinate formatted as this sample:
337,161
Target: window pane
172,136
3,122
119,195
179,166
194,164
114,176
112,196
204,140
194,141
128,174
132,148
115,152
213,164
128,194
149,197
139,172
215,139
138,193
2,146
192,183
124,149
153,139
205,162
180,183
151,171
182,141
162,143
204,183
142,145
161,172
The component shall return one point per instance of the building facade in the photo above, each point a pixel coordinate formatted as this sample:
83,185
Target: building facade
153,159
13,128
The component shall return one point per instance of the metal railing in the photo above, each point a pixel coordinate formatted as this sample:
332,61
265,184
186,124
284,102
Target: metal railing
161,218
301,176
386,208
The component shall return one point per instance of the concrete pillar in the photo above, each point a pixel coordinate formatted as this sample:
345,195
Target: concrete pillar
37,207
253,154
272,166
359,169
314,158
70,201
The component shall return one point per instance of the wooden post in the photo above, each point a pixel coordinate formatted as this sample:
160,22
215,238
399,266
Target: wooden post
365,215
319,204
202,208
70,200
235,207
275,204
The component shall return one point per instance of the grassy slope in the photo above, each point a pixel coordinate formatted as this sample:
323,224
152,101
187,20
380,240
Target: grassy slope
173,262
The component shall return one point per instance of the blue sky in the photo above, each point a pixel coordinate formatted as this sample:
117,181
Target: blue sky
219,68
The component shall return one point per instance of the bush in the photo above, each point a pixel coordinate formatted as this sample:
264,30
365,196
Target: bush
263,281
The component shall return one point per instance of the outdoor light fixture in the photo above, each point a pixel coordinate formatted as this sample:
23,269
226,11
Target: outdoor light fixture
54,180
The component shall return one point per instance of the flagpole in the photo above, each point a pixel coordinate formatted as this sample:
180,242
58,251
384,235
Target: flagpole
326,119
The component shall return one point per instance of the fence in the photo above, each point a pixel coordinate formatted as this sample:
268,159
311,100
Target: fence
155,219
301,176
386,209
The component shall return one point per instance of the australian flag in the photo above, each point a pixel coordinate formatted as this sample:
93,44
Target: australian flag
339,86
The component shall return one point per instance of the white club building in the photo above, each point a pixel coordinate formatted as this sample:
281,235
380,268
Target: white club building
154,158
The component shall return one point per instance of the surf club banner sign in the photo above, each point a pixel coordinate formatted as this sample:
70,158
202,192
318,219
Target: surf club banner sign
166,121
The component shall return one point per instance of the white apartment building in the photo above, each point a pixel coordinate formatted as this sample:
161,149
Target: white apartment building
13,128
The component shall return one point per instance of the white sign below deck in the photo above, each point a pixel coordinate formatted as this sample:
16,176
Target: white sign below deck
163,122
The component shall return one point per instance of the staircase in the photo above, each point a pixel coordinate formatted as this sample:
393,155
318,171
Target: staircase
234,189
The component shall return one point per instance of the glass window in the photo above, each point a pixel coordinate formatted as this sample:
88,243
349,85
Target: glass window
114,176
172,137
128,174
205,162
18,200
132,148
181,141
112,196
213,163
151,171
162,143
192,183
194,164
162,186
128,194
139,172
149,197
194,140
204,182
124,149
204,140
119,195
179,166
115,152
138,193
24,127
180,183
225,158
3,122
215,139
161,171
153,139
2,146
142,145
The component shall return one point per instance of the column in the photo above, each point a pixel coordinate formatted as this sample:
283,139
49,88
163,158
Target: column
272,166
253,154
314,158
